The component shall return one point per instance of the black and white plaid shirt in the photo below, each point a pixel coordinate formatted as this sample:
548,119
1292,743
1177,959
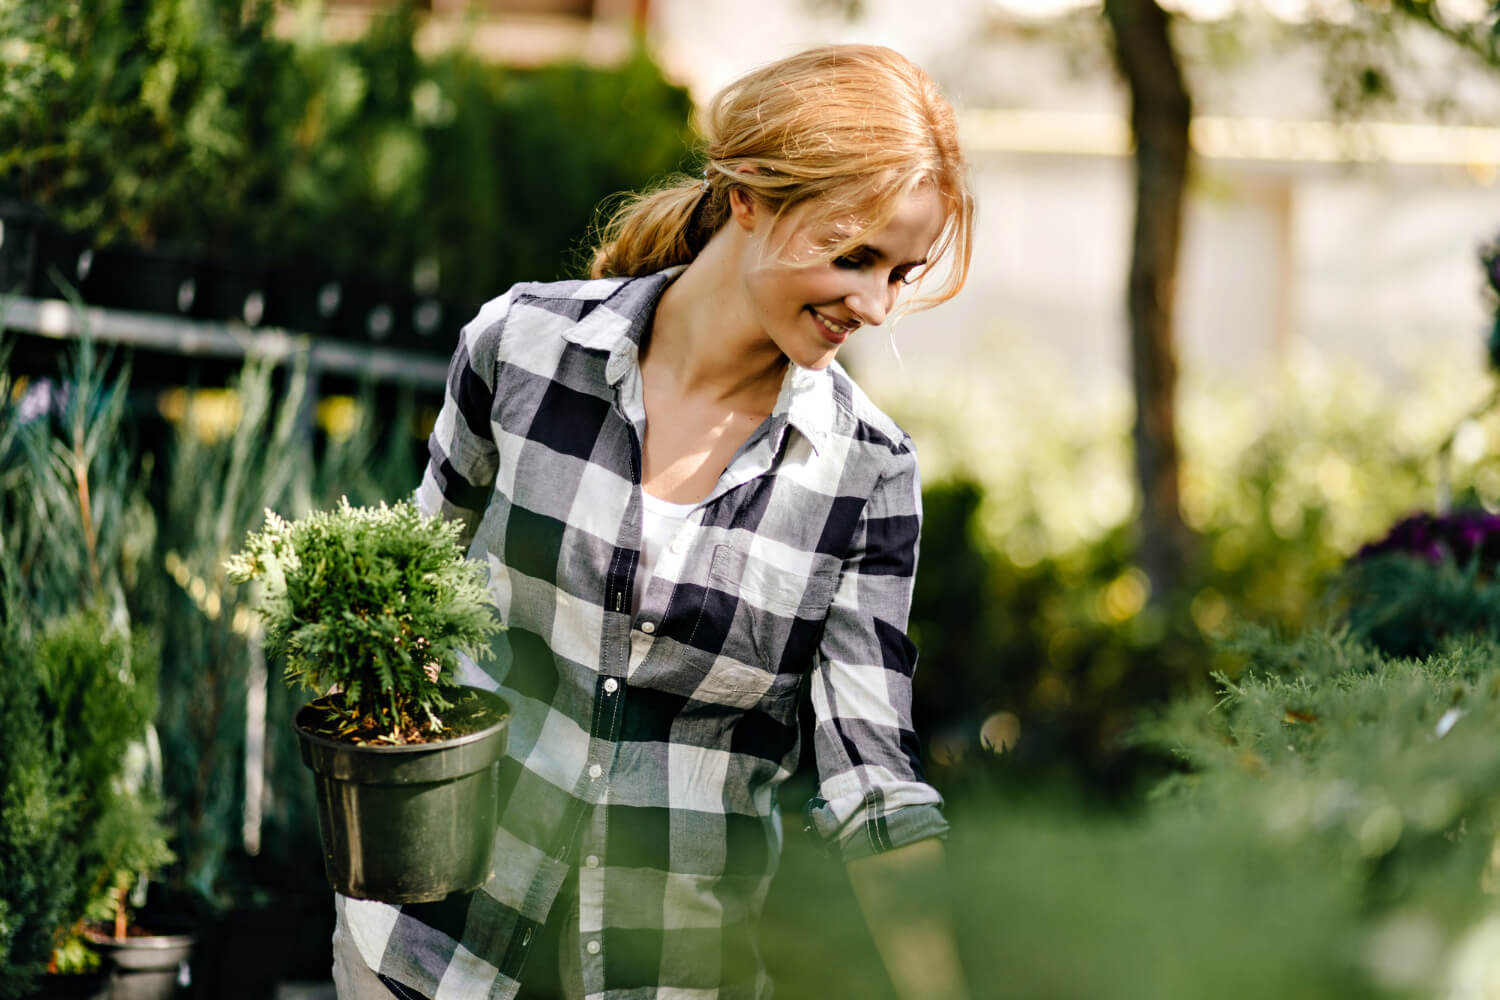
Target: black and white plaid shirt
658,782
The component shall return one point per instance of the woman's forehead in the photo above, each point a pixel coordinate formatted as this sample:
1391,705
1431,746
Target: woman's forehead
913,207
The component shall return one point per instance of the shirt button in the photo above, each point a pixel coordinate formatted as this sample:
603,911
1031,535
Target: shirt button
592,861
611,686
648,627
593,947
678,544
595,770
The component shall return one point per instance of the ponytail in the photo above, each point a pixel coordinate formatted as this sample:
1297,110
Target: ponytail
658,229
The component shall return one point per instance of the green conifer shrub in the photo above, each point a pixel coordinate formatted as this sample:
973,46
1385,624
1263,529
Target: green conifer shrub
97,695
376,602
1388,762
37,857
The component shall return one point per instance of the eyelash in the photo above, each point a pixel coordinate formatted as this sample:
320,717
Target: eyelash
850,262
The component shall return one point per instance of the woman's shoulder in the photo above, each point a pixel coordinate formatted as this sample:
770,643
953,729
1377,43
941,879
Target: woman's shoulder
556,304
532,323
571,298
857,416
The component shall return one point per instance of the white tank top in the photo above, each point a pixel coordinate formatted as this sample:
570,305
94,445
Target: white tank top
659,522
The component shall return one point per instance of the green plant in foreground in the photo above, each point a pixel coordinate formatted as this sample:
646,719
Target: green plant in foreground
95,685
375,602
37,856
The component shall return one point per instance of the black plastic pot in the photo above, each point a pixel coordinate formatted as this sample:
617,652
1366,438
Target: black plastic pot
128,277
148,967
62,263
303,300
230,291
372,313
20,223
80,986
407,824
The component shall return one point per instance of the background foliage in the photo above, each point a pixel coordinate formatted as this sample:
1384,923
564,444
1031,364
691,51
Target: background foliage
1037,621
187,126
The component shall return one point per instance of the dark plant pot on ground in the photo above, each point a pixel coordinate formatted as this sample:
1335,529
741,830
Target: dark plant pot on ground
411,823
83,986
61,263
127,277
228,291
374,314
246,951
20,225
144,966
303,300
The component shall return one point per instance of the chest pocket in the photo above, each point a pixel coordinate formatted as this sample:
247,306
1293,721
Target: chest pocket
769,589
782,611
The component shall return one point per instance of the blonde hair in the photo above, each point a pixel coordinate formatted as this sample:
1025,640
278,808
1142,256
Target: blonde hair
843,130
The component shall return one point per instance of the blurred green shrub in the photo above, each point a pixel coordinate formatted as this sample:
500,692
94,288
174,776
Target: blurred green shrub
1386,764
98,694
1331,831
134,119
37,857
75,525
1038,637
81,821
186,123
100,509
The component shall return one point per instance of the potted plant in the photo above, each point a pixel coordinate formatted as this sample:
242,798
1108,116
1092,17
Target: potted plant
371,608
95,687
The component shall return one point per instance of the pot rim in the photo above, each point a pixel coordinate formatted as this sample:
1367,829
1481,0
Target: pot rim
495,699
155,942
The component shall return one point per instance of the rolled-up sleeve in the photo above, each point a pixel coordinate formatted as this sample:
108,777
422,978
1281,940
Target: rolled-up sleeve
872,795
461,454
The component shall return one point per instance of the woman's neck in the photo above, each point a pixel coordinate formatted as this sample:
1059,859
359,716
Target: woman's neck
704,339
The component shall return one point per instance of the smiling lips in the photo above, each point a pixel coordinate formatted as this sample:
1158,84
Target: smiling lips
837,332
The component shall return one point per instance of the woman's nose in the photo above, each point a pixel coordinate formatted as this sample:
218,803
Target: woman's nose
872,300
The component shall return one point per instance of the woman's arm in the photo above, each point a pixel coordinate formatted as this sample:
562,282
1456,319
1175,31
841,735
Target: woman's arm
901,892
462,456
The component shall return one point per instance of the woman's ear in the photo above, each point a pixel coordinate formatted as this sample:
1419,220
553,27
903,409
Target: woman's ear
743,207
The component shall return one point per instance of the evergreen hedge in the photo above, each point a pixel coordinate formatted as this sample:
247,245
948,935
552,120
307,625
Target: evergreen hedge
188,126
37,857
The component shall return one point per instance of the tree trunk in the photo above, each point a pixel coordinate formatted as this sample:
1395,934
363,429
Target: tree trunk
1160,111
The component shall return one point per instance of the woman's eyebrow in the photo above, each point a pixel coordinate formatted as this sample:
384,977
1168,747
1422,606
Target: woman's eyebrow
881,255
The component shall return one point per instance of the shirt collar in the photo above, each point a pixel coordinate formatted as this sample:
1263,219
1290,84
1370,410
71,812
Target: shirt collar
618,326
619,323
806,402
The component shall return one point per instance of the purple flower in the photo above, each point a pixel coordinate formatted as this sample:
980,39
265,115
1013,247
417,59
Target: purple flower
1460,536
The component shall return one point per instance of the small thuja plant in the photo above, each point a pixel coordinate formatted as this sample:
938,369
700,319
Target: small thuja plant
371,607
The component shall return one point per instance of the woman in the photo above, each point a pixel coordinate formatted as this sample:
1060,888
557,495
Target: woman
692,516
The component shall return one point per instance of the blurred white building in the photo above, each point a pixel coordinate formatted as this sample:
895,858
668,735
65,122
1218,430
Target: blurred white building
1359,239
